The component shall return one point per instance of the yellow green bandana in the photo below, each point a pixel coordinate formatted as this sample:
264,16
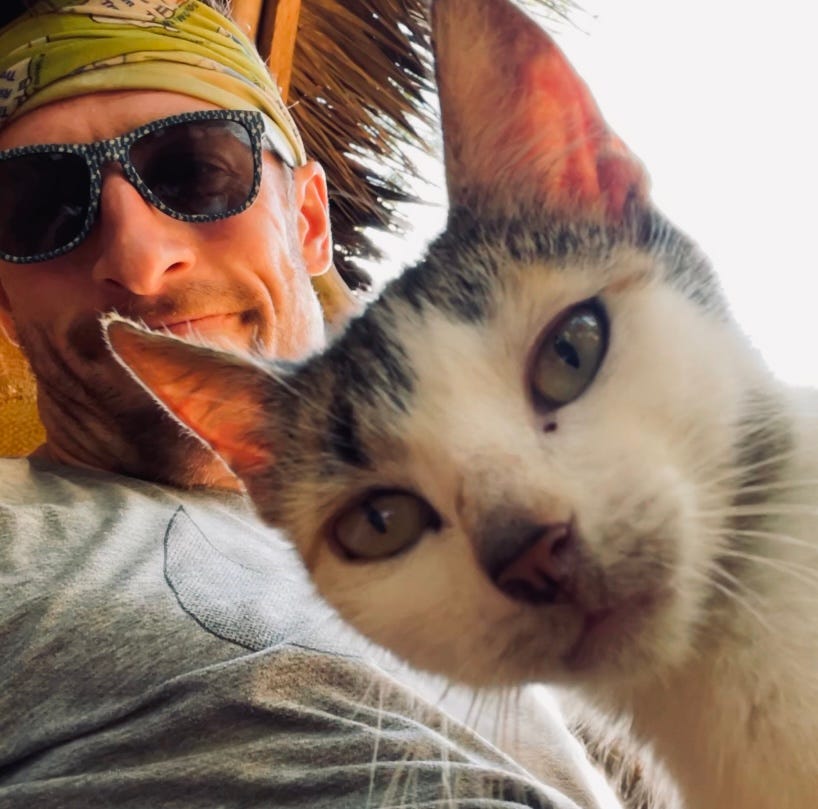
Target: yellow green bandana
65,48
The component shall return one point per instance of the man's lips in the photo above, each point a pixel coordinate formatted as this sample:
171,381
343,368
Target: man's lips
200,324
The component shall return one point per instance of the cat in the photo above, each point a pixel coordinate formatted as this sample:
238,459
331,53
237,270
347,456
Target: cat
546,452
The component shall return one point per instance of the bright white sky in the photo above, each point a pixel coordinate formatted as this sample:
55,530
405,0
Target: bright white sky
718,98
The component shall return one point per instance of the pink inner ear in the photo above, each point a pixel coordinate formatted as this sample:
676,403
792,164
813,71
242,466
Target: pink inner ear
586,166
558,123
215,394
228,435
522,124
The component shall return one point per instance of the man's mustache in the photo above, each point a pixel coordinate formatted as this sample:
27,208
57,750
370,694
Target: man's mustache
85,336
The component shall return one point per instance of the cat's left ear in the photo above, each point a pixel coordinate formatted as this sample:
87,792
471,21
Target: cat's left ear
219,396
520,128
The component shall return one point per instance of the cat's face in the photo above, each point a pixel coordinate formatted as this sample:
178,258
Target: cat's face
522,462
477,529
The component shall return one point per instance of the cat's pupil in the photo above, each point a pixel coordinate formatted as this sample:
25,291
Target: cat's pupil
566,352
376,519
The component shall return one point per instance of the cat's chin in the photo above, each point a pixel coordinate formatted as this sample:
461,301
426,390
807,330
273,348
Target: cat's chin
616,639
619,644
623,642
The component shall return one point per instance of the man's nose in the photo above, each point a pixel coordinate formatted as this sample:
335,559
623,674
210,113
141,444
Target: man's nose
137,245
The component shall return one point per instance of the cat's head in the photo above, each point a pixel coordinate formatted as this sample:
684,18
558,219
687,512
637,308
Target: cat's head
523,461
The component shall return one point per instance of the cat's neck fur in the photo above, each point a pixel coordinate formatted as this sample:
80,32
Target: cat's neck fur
736,725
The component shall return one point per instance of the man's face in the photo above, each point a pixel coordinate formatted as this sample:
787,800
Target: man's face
240,282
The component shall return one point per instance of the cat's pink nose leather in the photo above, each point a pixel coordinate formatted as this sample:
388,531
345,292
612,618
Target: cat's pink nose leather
539,573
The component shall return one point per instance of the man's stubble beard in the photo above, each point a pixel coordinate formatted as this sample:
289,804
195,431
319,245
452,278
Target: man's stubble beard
94,410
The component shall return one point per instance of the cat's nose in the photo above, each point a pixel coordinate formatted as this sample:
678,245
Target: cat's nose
546,562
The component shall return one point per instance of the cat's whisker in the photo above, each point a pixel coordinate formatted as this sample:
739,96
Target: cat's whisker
410,781
448,685
474,710
744,598
773,536
374,767
399,770
740,482
365,702
740,472
706,575
516,694
790,569
776,486
403,778
500,715
373,772
761,510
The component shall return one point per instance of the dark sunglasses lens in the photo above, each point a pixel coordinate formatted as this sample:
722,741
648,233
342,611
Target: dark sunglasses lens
199,168
44,199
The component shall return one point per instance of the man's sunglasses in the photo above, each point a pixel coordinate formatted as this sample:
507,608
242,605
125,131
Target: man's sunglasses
196,167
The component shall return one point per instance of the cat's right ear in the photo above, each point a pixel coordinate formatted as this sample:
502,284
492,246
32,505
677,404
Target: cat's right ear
224,399
520,128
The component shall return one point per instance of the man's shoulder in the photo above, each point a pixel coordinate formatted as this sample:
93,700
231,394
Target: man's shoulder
127,586
78,497
31,479
83,508
93,541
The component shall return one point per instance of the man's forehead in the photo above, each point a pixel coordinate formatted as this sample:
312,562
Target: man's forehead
95,116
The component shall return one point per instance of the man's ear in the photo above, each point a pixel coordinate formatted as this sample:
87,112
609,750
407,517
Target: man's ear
7,327
314,232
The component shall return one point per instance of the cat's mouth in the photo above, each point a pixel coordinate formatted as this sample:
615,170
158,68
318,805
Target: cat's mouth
609,634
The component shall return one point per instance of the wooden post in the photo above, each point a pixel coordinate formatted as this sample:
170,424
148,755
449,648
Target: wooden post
276,38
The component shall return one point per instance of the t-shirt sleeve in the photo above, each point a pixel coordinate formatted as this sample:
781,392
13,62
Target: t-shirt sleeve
288,727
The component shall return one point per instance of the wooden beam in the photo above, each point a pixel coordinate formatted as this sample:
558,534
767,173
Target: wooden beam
277,35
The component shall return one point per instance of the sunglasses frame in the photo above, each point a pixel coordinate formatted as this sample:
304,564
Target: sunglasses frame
116,150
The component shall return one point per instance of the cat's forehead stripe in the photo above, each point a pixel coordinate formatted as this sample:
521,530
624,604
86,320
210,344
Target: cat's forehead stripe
369,359
343,434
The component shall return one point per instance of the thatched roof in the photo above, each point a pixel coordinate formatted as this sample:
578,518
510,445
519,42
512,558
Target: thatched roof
360,71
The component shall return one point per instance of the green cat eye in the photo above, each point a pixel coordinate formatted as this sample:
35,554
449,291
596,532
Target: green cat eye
569,355
383,524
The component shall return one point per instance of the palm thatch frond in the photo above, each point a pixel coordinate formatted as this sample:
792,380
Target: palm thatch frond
360,72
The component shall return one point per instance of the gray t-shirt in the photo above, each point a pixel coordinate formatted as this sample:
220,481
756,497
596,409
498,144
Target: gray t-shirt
161,648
